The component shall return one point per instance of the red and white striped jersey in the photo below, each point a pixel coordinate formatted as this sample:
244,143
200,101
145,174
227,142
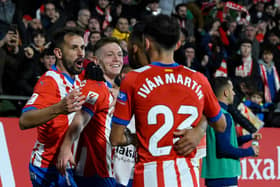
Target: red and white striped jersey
164,98
49,90
94,149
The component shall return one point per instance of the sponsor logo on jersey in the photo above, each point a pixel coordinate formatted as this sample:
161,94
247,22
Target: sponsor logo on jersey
32,99
122,96
92,97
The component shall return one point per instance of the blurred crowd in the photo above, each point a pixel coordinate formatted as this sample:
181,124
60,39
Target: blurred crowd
239,39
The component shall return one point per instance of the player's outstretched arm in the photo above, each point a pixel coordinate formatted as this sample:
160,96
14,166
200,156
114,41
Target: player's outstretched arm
33,118
190,138
120,135
65,155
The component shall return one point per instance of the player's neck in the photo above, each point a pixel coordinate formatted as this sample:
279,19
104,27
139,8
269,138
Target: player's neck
62,69
109,79
163,57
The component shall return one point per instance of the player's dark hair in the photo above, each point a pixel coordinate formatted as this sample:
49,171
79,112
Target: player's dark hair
180,5
136,37
165,30
103,41
58,36
137,34
47,52
218,84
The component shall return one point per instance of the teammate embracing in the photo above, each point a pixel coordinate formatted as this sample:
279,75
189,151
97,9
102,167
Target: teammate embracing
164,97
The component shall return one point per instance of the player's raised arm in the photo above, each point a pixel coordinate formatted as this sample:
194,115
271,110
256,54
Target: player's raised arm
33,118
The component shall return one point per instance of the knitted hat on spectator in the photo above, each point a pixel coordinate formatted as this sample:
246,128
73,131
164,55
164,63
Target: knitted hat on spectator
27,17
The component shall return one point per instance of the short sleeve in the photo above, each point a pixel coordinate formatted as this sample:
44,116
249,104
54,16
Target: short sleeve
212,108
44,95
124,106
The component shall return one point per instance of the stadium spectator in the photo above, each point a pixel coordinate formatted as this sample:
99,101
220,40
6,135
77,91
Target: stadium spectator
221,166
32,70
243,64
94,37
103,12
51,107
94,160
256,104
83,19
250,33
152,8
184,17
7,11
94,25
52,19
160,47
121,30
108,31
269,75
70,23
89,53
11,57
38,44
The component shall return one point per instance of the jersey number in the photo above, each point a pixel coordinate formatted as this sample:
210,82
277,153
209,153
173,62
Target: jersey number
167,126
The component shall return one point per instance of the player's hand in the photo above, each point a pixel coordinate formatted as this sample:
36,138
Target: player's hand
188,140
65,155
256,150
256,136
72,102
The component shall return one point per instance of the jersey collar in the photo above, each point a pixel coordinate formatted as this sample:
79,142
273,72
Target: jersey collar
165,65
70,79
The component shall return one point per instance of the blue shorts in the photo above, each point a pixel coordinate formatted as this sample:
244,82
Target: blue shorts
50,177
95,181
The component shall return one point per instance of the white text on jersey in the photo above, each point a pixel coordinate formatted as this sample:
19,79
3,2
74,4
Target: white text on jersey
169,78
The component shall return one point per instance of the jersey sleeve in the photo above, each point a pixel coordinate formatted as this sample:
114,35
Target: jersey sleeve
123,110
44,94
95,94
212,108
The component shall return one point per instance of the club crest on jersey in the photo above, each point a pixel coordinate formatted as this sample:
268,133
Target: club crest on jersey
32,99
122,96
92,97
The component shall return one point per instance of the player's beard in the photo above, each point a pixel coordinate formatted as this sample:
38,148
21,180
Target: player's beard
70,67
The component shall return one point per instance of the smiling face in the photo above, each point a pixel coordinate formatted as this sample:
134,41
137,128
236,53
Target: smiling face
110,58
39,40
71,53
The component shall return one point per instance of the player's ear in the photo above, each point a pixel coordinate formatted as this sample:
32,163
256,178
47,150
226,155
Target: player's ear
135,48
178,45
226,92
95,60
57,53
147,43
